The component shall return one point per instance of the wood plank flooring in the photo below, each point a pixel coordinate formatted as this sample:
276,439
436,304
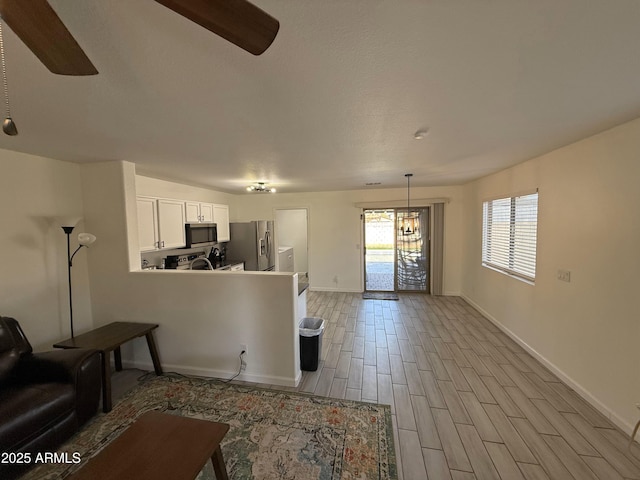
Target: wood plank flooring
467,401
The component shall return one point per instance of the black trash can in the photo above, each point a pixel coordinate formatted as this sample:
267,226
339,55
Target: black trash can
311,329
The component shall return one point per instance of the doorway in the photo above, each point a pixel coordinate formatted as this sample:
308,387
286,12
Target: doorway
396,259
291,225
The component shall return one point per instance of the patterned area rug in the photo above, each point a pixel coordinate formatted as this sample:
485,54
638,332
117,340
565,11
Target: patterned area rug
273,434
380,296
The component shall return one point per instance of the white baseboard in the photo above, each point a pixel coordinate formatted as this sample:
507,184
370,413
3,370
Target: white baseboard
223,375
337,290
579,389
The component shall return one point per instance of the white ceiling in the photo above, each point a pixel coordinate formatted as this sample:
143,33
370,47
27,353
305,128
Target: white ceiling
335,101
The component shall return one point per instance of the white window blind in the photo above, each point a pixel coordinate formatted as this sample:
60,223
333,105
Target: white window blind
509,232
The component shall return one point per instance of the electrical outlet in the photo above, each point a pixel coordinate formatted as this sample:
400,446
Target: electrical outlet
244,348
564,275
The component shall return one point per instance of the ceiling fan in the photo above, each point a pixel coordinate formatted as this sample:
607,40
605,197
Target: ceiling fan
42,31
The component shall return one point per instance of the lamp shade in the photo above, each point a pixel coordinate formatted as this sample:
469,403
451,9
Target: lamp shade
68,221
86,239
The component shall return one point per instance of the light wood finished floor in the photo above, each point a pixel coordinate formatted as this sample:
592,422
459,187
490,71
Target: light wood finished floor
467,402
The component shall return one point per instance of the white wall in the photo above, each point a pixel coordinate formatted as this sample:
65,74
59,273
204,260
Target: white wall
588,329
335,230
203,316
291,231
33,247
162,188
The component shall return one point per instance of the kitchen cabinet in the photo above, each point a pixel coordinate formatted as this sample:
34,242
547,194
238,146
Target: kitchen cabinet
147,224
198,212
221,219
160,223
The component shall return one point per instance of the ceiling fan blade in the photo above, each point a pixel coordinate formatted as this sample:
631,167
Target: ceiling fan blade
237,21
40,28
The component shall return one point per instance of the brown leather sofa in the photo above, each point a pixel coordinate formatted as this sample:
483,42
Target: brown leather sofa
44,397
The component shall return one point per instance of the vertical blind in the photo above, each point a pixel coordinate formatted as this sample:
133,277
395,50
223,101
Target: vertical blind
509,233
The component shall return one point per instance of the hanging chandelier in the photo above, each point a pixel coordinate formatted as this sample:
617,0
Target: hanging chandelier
260,187
409,226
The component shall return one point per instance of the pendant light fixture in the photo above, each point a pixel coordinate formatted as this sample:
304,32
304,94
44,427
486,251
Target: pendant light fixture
8,126
408,227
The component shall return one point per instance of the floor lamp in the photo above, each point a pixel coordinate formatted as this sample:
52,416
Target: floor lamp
84,240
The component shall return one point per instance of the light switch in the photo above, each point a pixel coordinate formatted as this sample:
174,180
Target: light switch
564,275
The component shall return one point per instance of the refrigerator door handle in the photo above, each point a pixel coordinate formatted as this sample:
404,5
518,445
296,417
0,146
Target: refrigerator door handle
262,247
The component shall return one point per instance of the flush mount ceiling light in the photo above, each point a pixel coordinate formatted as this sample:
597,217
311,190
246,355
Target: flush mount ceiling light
420,134
260,187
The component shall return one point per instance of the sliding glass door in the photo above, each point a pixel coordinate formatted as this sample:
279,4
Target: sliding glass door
396,259
379,248
412,250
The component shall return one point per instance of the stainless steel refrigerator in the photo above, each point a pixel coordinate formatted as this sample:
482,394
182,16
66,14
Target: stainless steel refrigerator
253,243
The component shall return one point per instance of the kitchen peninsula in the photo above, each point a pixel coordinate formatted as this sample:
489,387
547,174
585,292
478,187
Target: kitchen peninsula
204,316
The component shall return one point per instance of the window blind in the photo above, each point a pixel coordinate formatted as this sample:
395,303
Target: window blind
509,233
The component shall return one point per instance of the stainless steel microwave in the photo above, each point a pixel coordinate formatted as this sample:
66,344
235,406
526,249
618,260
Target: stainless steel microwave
200,234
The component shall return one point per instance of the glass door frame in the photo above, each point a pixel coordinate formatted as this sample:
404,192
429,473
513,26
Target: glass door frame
426,240
393,248
421,273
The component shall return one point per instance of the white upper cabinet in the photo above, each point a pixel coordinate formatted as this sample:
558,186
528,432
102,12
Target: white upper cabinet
197,212
206,212
221,219
161,221
160,224
171,223
147,224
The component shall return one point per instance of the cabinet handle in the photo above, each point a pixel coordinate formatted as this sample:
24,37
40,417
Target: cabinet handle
162,243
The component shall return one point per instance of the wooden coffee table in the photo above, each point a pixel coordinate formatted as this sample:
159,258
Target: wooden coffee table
159,446
108,339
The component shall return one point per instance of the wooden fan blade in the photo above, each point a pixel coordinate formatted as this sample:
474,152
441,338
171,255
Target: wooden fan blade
238,21
40,28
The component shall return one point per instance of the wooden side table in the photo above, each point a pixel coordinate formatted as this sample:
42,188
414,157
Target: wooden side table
159,446
108,339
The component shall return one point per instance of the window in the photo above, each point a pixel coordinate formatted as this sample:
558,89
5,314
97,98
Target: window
509,231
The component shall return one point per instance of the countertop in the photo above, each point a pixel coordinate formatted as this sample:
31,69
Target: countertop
226,263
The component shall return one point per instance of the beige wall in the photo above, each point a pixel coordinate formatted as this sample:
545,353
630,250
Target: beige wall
33,248
588,329
335,230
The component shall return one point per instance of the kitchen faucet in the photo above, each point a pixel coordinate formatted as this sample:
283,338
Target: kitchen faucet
200,258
